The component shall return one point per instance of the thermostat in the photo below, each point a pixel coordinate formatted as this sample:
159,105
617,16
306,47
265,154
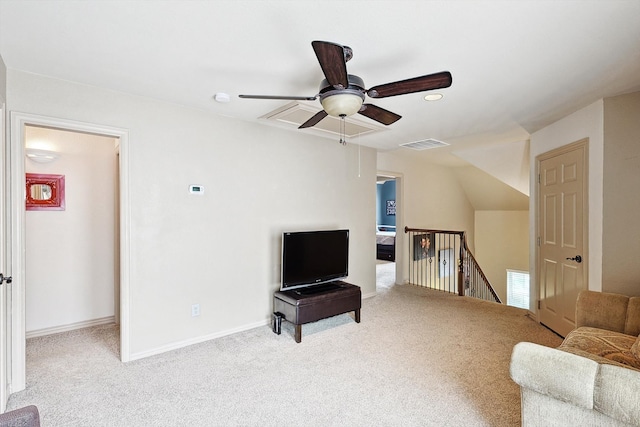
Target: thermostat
196,189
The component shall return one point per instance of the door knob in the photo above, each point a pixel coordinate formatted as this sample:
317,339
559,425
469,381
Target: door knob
4,279
576,258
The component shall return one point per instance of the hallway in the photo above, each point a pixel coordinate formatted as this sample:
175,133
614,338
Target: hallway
385,275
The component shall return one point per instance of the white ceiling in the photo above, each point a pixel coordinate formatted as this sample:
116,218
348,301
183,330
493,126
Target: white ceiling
517,66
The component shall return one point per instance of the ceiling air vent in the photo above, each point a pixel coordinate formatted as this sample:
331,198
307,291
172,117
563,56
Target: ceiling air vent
295,114
425,144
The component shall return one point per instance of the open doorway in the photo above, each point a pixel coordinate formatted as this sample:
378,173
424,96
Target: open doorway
71,252
386,224
16,332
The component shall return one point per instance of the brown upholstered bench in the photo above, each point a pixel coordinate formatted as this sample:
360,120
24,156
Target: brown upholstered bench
299,307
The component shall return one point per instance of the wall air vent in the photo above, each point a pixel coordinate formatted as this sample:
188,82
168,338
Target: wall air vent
295,113
425,144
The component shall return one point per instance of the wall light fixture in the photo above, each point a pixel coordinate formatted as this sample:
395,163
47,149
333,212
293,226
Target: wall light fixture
41,156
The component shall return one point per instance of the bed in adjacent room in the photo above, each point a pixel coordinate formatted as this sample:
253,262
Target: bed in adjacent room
386,243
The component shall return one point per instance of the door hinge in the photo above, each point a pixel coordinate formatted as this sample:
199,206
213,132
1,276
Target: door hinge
538,178
539,304
538,240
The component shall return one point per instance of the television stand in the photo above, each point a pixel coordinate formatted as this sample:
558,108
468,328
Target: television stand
305,307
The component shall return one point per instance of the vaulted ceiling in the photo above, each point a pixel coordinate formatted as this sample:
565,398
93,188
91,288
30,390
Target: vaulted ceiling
517,66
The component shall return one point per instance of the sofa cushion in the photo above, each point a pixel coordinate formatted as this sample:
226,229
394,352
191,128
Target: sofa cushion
602,310
635,348
632,324
612,346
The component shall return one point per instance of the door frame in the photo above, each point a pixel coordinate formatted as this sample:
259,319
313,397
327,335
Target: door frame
584,142
5,263
402,250
16,299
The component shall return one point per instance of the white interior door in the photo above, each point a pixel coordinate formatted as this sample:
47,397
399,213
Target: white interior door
562,231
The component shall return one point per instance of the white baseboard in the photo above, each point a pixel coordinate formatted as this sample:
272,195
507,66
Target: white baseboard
197,340
71,327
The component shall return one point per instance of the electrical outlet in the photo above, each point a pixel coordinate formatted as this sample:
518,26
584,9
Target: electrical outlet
195,310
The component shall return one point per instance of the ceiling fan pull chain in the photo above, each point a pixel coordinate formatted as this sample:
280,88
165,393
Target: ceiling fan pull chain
343,137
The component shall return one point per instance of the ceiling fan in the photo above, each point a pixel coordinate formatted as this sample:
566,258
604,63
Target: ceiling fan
343,94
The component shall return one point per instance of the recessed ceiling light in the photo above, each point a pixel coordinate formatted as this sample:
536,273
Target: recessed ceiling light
222,97
433,97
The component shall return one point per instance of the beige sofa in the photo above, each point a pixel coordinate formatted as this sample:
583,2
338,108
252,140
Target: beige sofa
22,417
593,378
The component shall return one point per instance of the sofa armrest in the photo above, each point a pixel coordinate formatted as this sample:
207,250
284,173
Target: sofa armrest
22,417
617,393
555,373
602,310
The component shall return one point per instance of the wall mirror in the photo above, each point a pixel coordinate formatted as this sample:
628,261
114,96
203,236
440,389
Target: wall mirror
45,192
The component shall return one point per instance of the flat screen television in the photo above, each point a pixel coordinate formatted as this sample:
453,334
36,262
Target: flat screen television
314,257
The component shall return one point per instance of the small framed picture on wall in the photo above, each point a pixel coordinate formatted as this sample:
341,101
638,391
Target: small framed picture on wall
422,246
45,192
391,207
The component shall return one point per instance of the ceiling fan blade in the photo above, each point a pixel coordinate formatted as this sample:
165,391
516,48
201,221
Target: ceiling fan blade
314,120
378,114
332,61
292,98
417,84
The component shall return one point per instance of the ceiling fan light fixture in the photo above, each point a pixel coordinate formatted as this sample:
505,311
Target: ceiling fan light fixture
343,104
342,94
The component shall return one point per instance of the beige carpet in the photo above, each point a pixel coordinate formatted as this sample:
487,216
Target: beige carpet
418,358
385,274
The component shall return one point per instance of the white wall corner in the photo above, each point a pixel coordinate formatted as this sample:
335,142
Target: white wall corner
507,162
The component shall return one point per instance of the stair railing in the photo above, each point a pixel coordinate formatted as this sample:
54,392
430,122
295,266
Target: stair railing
441,259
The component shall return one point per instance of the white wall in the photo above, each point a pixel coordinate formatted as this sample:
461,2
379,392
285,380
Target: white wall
434,199
508,162
3,81
221,249
620,267
431,198
502,242
70,254
584,123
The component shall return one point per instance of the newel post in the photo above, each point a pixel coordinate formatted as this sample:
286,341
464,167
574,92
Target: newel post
463,245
